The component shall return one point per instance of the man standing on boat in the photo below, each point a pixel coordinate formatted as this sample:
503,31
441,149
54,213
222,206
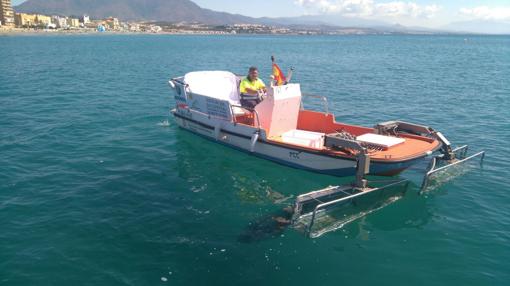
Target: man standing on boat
252,88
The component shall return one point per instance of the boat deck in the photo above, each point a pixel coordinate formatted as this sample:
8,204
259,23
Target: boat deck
413,147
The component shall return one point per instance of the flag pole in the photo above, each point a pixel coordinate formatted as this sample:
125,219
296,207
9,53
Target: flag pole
272,71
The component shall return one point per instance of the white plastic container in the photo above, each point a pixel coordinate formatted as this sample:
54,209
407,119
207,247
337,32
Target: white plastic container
304,138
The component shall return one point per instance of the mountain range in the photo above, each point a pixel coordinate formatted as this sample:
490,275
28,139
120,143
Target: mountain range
175,11
134,10
480,26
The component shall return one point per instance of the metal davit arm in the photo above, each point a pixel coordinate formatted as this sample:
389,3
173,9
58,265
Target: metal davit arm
362,157
394,127
449,156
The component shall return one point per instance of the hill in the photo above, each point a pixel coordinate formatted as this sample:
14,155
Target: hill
134,10
481,27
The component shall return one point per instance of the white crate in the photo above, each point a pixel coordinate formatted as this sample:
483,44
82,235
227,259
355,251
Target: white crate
304,138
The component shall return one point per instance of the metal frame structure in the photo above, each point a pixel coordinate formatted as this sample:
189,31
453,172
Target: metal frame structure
360,187
347,192
460,157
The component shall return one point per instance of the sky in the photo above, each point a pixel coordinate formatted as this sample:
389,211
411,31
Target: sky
424,13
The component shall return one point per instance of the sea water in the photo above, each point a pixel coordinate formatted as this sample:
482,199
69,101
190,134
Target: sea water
98,185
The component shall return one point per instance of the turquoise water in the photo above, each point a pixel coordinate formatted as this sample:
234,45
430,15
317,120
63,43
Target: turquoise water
99,187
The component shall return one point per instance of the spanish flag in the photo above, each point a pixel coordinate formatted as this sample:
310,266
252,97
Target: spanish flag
278,75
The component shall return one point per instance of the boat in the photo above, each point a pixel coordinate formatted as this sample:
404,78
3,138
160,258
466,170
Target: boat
280,129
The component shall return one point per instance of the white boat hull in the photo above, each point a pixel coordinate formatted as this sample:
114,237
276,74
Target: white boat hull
240,137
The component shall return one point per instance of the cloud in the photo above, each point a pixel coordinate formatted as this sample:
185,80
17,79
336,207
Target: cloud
406,9
346,7
363,8
487,13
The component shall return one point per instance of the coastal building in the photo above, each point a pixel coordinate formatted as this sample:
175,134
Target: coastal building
73,22
112,23
60,22
92,24
85,19
25,20
43,20
6,13
155,29
134,27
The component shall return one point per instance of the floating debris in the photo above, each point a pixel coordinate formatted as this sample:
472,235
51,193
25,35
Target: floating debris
164,123
267,227
277,197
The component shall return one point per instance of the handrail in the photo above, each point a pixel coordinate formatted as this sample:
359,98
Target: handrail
323,98
179,81
246,108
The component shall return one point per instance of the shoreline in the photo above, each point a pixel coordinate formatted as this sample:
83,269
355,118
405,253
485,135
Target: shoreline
42,32
59,32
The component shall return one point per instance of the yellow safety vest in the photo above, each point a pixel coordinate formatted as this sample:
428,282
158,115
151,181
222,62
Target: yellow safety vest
255,85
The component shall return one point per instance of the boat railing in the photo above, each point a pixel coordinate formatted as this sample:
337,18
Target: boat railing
178,80
320,97
252,110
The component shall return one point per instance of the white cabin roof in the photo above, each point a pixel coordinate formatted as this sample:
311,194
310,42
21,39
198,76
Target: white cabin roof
222,85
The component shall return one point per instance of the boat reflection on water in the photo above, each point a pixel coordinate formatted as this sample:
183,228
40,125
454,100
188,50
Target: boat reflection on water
250,179
265,189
